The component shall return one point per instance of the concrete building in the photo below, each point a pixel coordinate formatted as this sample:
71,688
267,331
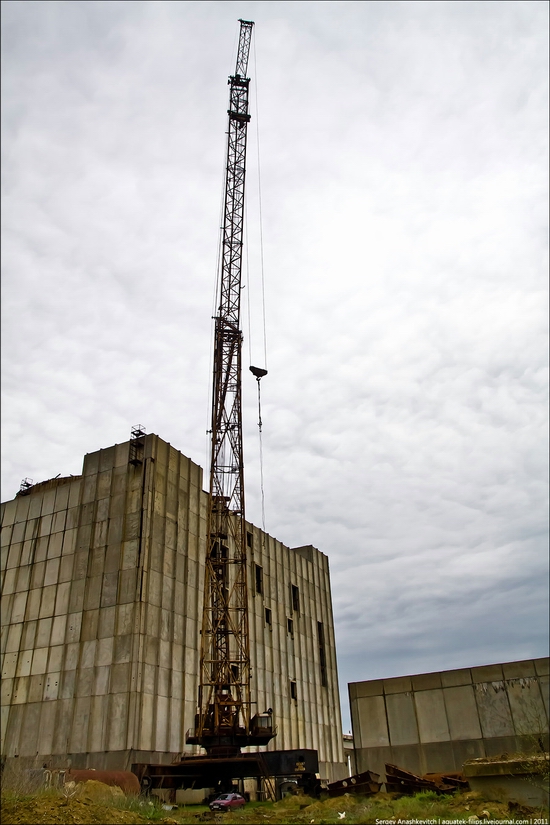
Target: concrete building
102,603
434,722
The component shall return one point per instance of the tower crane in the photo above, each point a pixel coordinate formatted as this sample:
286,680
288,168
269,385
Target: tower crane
224,722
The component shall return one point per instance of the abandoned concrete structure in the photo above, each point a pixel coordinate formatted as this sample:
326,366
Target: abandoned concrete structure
434,722
102,599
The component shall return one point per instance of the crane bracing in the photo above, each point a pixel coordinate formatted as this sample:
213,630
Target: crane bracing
224,722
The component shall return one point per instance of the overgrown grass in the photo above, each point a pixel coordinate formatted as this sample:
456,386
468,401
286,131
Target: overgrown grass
148,807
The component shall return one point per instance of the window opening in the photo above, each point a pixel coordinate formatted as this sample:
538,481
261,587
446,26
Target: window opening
295,596
293,690
259,580
290,627
322,653
268,616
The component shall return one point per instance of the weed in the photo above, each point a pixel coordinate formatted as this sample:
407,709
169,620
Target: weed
149,807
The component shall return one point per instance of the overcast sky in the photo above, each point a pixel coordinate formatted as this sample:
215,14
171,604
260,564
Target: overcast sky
403,166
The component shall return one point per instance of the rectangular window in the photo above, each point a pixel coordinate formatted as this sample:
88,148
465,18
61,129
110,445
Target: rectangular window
248,539
268,616
293,690
295,596
290,627
259,580
322,653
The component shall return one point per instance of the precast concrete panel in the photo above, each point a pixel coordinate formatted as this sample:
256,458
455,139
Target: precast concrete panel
456,678
403,728
527,706
435,757
373,727
431,716
494,709
544,689
462,713
485,717
408,757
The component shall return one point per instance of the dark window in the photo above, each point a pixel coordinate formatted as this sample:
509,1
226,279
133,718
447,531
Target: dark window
293,690
290,627
219,552
322,653
235,672
259,580
295,596
248,539
268,616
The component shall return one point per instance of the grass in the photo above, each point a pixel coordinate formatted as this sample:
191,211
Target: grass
23,797
297,811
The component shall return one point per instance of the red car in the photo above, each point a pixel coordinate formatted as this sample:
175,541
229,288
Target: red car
227,801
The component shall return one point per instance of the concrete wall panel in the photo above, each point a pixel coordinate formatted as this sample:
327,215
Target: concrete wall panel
484,717
146,727
462,713
500,744
36,688
407,757
373,759
373,688
98,712
494,710
4,717
68,684
102,675
33,605
467,749
403,729
47,726
526,704
455,678
28,745
372,727
436,756
12,740
431,716
118,721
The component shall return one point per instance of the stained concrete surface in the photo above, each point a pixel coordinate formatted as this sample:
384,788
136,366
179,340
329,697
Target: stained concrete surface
102,599
434,722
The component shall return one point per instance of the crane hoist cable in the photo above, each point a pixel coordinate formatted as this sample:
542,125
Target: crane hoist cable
259,374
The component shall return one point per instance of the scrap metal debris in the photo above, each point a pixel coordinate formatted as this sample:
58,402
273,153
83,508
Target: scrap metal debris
401,781
366,784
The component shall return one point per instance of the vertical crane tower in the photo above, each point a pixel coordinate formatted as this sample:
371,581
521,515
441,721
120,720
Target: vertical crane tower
224,722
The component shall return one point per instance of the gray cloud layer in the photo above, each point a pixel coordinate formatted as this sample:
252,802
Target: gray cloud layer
404,201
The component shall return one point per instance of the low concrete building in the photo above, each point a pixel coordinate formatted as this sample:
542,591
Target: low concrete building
349,753
102,580
434,722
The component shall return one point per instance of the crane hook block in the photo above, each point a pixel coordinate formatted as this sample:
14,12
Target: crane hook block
258,372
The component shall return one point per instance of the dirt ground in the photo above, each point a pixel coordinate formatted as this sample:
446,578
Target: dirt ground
44,809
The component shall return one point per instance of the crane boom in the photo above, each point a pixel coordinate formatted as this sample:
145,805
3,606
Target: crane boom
223,723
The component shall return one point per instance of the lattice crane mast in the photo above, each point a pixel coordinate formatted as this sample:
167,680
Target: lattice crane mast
224,722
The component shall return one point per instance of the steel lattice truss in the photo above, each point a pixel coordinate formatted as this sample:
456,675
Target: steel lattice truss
224,692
